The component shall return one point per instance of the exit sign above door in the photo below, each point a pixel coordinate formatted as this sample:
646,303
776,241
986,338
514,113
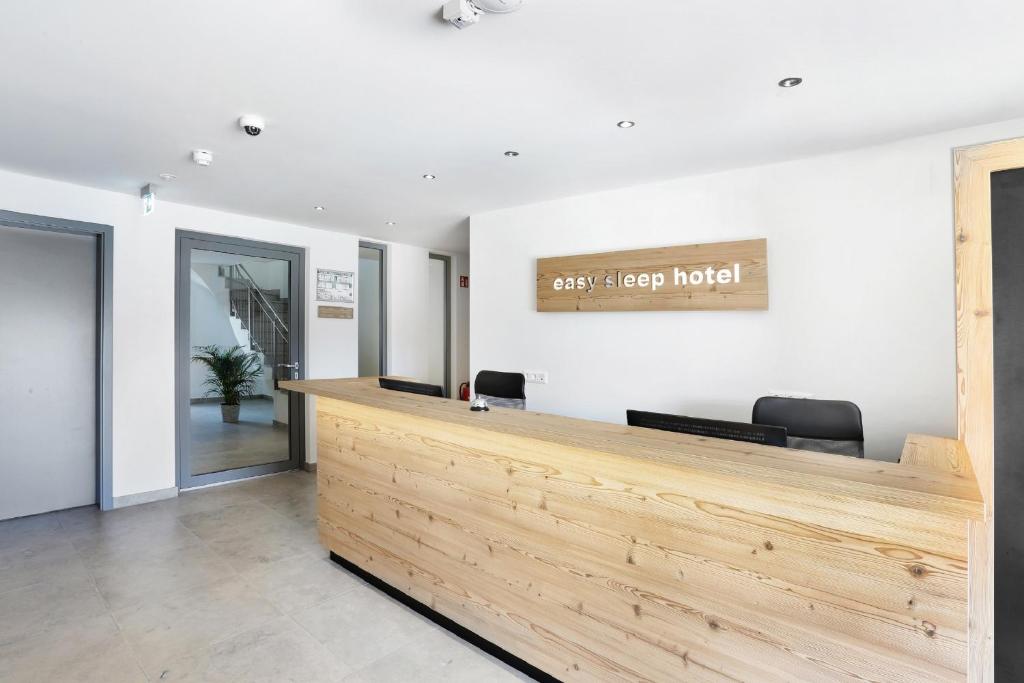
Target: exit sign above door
723,276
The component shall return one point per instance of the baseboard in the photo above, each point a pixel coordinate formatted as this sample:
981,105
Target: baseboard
309,466
220,399
444,622
144,497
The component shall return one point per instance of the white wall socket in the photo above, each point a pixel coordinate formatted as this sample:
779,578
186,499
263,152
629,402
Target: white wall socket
790,394
536,376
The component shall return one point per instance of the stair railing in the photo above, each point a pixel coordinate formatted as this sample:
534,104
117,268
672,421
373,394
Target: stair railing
261,321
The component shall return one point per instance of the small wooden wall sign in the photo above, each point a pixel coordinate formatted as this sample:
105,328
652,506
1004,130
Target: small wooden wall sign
723,276
341,312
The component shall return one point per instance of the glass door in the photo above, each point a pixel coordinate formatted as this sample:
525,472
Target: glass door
372,299
239,324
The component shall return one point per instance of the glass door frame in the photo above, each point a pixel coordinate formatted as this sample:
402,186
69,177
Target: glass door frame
185,242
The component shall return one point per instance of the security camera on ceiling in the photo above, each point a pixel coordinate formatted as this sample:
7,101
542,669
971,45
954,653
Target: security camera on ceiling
463,13
252,125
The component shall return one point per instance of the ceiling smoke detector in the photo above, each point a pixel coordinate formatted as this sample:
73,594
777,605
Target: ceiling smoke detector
202,157
463,13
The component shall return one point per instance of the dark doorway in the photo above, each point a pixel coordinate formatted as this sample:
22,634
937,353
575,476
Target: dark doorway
1008,305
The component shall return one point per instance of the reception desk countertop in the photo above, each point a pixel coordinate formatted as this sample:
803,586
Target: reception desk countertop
598,551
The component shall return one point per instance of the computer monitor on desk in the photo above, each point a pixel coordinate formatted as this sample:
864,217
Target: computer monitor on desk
719,429
411,387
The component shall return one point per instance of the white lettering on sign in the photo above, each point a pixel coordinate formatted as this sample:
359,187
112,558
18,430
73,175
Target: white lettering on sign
583,282
652,281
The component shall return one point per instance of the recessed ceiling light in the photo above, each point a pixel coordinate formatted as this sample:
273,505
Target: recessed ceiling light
626,124
790,82
511,153
168,176
390,223
319,208
429,176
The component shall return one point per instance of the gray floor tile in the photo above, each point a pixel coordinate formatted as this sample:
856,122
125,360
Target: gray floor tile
199,586
87,651
438,656
30,610
363,625
300,582
150,577
204,500
83,522
182,623
243,514
279,651
23,532
47,560
148,540
244,548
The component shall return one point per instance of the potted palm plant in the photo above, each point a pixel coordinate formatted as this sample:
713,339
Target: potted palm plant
233,375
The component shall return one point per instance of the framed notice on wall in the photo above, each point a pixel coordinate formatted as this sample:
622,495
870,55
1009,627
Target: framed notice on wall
723,276
336,286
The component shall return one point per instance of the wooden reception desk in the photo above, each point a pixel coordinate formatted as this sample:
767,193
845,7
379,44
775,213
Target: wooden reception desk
600,552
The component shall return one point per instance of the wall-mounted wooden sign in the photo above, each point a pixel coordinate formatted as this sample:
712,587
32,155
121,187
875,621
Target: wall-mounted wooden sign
724,276
341,312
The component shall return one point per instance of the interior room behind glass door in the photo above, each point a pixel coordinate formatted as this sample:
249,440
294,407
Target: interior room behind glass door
370,292
243,302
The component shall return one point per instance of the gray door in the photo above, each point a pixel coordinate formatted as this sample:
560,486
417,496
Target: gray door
372,312
439,322
245,298
47,371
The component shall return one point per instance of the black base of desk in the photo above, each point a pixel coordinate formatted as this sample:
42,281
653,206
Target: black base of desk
444,622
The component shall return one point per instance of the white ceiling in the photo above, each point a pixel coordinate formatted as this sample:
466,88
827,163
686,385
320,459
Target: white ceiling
363,97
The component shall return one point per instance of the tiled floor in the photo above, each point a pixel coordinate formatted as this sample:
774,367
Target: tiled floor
253,440
223,584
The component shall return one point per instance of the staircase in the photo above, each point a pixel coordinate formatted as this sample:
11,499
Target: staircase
260,313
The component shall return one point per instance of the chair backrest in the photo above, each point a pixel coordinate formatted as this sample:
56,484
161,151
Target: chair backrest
411,387
814,424
718,429
504,389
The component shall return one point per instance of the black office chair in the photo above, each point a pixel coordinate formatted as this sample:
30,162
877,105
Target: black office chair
719,429
411,387
813,424
504,389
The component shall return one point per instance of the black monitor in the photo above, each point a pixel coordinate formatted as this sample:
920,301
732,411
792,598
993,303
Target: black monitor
411,387
718,429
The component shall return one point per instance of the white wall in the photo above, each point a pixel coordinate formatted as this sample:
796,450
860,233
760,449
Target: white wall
460,323
860,282
408,310
143,319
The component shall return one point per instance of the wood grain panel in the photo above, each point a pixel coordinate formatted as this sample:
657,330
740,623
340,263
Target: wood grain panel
590,552
947,455
660,279
973,168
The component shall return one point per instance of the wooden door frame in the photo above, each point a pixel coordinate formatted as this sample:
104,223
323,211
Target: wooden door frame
972,224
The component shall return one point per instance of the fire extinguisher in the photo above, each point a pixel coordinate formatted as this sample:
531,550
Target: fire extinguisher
464,391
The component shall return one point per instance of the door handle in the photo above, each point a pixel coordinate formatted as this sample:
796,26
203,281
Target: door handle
294,367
